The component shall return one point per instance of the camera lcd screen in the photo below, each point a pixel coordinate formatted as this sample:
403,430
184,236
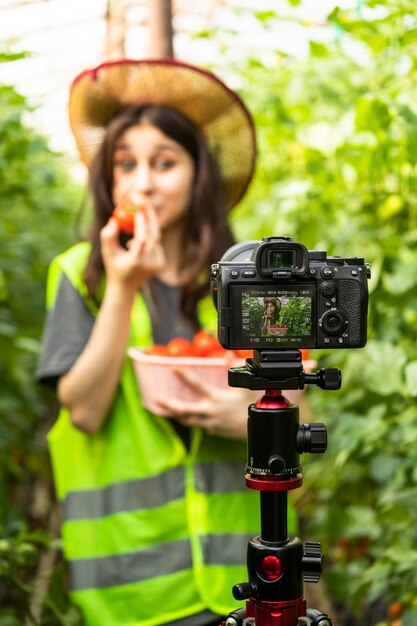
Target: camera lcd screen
276,316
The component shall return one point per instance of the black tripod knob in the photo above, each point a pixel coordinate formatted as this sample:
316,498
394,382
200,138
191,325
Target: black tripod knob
236,618
244,591
312,438
312,561
329,378
318,618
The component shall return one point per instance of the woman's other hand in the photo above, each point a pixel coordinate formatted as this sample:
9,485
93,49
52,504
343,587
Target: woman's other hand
221,412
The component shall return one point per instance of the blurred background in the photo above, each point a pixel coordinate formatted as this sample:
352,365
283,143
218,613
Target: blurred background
333,90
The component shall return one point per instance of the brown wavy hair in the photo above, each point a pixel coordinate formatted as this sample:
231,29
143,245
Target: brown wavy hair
208,233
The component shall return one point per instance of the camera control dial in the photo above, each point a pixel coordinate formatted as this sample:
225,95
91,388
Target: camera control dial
333,323
335,260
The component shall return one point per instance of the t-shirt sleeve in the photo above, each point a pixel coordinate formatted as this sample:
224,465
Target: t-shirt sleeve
67,329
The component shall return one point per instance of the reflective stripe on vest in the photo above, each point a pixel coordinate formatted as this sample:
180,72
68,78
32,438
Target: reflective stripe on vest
131,495
122,569
167,558
153,491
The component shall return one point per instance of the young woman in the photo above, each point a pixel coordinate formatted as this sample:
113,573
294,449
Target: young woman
156,513
272,308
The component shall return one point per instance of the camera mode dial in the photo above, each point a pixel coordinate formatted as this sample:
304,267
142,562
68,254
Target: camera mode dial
335,260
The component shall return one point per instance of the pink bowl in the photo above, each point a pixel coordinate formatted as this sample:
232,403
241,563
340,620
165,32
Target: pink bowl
156,376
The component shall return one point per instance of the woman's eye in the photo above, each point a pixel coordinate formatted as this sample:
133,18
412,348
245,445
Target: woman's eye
164,164
125,165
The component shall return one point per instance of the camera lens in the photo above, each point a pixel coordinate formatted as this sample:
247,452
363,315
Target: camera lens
333,323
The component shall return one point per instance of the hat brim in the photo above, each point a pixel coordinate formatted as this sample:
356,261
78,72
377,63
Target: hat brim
97,94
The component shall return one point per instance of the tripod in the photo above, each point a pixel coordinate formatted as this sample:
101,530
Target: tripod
278,564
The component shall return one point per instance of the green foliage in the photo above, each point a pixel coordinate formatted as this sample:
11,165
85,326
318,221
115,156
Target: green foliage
337,170
37,204
296,315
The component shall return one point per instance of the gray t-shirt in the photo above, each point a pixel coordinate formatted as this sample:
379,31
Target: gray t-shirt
70,322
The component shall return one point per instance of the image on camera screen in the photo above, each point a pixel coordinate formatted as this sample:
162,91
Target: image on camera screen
275,317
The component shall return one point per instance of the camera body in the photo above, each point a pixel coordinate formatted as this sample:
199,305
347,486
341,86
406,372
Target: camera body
276,294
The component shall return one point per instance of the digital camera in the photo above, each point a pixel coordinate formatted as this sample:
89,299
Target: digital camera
276,294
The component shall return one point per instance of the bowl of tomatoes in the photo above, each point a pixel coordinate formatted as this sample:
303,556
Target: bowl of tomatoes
156,368
278,330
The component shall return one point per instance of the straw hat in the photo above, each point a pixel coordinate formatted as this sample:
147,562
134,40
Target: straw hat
97,94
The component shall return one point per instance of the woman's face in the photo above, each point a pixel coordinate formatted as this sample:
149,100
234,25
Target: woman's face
151,168
270,308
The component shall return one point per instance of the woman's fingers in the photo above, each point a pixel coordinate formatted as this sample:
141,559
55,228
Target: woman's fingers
139,234
109,236
144,255
154,232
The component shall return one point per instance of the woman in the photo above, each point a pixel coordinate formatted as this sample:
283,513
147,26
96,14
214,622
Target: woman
272,308
156,514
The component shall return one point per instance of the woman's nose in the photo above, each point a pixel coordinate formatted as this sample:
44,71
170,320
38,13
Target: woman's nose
143,178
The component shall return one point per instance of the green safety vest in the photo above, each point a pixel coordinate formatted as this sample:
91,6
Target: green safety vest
151,532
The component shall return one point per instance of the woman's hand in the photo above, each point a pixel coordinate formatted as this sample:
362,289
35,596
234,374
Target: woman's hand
266,322
221,412
144,256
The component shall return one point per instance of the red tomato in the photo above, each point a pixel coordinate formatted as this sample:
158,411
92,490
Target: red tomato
244,354
305,354
220,353
179,347
395,610
125,216
204,344
158,349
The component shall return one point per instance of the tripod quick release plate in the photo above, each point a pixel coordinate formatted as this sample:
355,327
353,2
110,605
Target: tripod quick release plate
281,369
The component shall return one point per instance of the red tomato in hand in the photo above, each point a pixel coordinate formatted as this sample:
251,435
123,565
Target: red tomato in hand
125,216
204,344
179,347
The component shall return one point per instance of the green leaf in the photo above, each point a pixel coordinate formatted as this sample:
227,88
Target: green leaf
411,378
372,115
319,50
265,16
409,617
382,467
378,368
